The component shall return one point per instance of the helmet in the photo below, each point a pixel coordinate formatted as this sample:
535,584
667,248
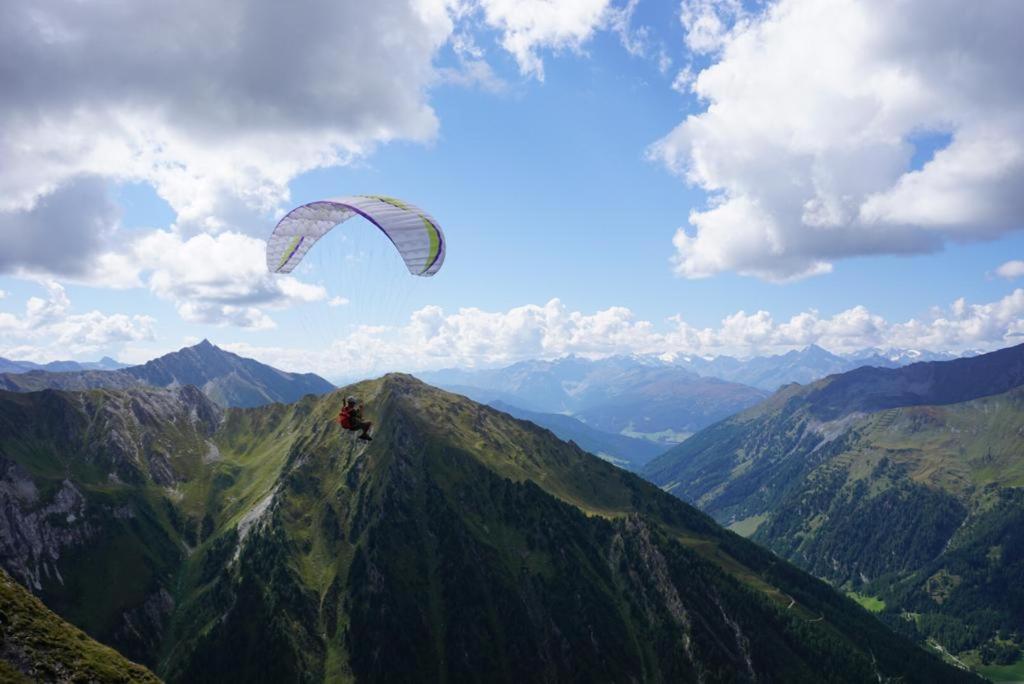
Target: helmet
350,400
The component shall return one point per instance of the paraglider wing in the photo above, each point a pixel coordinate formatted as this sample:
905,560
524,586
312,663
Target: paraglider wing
414,233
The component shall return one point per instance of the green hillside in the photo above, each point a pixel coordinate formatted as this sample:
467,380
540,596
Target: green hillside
460,544
38,646
918,507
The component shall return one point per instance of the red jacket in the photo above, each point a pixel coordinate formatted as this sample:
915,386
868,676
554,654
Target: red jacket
346,416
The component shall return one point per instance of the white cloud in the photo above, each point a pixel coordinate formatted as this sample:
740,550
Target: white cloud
683,80
529,25
813,107
48,329
338,301
202,100
664,61
220,279
1011,269
63,233
707,22
471,337
634,40
214,279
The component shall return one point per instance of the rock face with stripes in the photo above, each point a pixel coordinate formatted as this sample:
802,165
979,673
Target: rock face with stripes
415,234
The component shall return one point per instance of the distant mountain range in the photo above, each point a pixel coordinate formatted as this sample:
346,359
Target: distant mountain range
627,452
904,484
635,397
266,544
106,363
228,379
660,398
802,366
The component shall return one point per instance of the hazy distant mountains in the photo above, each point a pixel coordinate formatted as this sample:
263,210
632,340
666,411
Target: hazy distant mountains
106,363
906,484
659,399
802,366
226,378
627,452
631,396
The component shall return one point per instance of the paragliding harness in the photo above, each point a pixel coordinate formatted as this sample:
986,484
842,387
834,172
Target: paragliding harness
350,418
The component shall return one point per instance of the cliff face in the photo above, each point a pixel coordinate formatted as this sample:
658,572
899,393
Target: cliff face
87,484
33,533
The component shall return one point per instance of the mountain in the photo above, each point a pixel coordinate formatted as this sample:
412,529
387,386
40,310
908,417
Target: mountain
894,358
770,372
903,484
627,395
106,363
265,544
228,379
38,646
803,366
627,452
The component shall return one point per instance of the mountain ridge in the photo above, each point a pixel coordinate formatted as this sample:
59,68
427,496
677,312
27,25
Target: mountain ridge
878,480
227,378
460,542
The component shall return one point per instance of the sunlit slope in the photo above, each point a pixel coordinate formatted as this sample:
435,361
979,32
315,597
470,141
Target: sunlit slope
258,544
919,504
38,646
464,544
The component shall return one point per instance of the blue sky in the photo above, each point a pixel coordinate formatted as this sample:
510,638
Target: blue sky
567,187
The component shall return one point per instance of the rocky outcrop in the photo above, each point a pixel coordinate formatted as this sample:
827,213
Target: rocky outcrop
33,532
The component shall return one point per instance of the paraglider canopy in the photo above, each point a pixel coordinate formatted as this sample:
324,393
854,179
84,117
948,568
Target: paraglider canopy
416,236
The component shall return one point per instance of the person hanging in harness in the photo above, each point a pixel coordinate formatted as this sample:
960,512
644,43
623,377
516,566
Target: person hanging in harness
351,418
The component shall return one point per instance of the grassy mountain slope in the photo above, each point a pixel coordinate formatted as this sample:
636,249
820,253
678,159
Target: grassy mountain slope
460,544
88,484
38,646
226,378
918,504
464,544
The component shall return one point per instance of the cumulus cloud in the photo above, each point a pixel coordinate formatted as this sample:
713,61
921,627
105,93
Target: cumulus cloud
48,329
957,328
63,233
530,25
434,338
218,106
1011,269
814,108
220,279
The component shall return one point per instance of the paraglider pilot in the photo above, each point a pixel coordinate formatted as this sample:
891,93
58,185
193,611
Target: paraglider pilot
351,418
